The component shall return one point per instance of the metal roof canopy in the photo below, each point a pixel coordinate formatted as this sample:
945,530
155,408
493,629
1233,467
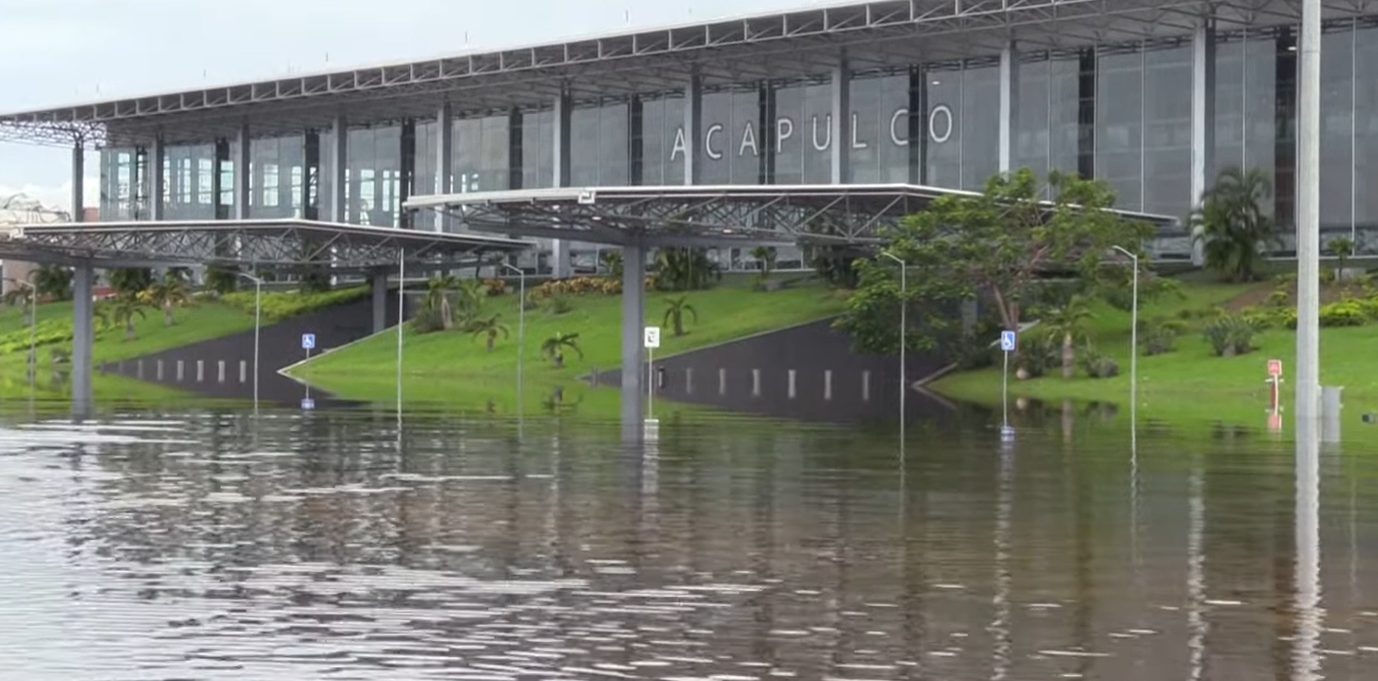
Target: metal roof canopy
881,34
288,245
680,215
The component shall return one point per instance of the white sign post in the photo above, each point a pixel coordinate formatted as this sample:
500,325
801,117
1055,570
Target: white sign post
308,343
1009,340
652,341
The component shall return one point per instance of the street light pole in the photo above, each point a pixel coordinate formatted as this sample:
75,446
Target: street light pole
904,327
521,319
258,319
1133,338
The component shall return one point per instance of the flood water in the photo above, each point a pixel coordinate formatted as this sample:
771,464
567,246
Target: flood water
336,545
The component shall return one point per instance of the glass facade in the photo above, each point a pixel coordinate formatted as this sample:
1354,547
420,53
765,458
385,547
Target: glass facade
1120,112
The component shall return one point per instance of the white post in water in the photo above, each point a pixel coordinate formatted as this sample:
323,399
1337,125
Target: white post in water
1009,340
1308,215
258,318
401,318
904,327
521,322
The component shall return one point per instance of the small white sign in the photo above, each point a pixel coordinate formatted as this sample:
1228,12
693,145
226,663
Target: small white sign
1008,341
652,337
651,430
587,197
307,404
308,341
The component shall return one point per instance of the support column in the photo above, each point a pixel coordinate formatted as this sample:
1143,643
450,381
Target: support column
560,260
380,301
445,161
83,335
339,145
1202,119
157,154
841,122
633,353
1009,106
693,128
79,181
242,175
1308,218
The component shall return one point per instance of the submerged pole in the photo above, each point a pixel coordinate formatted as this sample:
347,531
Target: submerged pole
1308,215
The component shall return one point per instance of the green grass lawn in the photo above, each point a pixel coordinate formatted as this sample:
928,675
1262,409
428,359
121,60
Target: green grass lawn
439,364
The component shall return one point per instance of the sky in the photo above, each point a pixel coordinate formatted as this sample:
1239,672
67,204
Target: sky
60,52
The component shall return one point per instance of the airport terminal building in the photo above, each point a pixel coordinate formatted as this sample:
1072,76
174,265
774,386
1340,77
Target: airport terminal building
1154,96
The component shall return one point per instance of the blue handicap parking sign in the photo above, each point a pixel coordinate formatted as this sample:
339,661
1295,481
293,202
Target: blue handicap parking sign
308,341
1007,341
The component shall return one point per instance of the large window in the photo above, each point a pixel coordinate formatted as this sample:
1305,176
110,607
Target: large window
1167,131
1119,124
980,113
481,150
662,144
538,149
276,180
187,172
730,148
599,146
803,133
880,139
374,161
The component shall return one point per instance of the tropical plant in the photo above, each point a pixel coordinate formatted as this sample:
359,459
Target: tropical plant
1068,322
221,279
53,281
612,262
469,297
554,348
167,295
558,304
1343,249
1232,222
835,264
684,269
129,281
765,255
1230,335
1097,365
438,299
1038,352
675,309
18,297
489,327
124,310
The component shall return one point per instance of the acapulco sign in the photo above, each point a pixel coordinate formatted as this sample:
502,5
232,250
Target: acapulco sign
717,142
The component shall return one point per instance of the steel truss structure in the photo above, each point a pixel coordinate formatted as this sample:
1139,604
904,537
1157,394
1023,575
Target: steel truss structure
875,35
729,215
284,246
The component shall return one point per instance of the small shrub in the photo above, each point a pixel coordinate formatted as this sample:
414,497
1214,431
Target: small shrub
427,320
1159,338
1343,313
558,305
1230,335
1039,353
1097,365
495,287
1279,298
532,301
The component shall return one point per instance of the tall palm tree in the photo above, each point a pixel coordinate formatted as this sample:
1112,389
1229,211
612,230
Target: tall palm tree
1343,249
489,327
167,295
124,310
438,299
1069,322
675,308
1232,223
553,348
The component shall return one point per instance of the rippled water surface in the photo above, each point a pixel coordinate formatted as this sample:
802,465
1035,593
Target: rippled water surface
203,545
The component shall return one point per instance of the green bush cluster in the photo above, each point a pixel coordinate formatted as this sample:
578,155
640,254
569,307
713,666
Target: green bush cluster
1231,335
278,306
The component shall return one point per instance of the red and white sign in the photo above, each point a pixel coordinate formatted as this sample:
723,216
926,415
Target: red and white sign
1275,368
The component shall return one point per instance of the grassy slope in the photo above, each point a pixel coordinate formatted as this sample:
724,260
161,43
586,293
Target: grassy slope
446,366
1191,383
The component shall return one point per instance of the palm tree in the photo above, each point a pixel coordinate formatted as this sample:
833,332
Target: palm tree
469,296
612,262
684,269
489,327
1069,322
1232,222
18,297
766,256
1343,249
553,348
438,299
674,313
168,294
125,309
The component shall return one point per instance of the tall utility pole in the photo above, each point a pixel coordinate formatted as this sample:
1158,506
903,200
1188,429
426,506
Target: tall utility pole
1308,215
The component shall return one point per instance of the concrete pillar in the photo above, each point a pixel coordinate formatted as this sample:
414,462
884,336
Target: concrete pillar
1202,119
444,161
633,351
242,175
692,133
1009,106
78,181
83,334
339,184
157,154
559,257
841,124
380,301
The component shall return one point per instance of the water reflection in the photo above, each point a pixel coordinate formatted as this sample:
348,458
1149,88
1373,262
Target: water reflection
347,544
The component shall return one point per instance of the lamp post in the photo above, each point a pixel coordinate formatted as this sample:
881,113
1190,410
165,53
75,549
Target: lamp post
1133,337
33,325
521,318
258,318
904,326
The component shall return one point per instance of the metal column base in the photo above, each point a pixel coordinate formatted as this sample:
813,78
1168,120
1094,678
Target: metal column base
633,321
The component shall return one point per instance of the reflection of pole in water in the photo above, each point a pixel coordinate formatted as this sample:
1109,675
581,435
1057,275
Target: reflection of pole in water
1306,662
1196,574
1004,508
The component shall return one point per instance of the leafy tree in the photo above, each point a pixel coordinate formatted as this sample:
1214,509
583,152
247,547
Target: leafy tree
129,281
554,348
766,256
124,310
1343,249
1232,224
167,295
996,246
221,279
438,299
675,309
684,269
53,281
612,262
1069,323
489,327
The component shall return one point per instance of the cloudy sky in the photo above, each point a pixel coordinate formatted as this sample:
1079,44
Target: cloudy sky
56,52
